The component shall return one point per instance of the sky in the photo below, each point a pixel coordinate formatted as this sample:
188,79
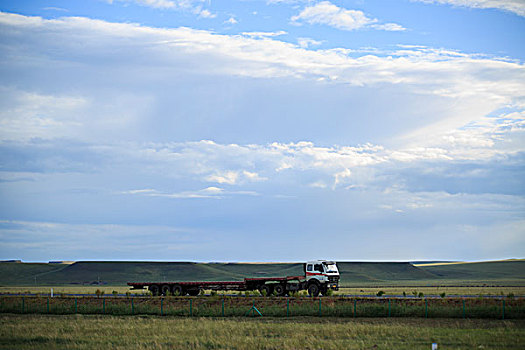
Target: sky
262,130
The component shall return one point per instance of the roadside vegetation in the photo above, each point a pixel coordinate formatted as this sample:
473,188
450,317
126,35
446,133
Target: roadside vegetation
122,332
221,306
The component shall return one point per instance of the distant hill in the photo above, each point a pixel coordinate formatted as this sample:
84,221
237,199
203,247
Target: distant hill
378,272
486,270
352,273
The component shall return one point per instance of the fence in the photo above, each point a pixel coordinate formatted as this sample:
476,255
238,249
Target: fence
276,307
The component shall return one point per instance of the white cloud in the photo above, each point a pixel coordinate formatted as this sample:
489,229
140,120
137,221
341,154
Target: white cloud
191,6
206,14
318,184
515,6
234,177
342,177
264,34
425,70
161,4
231,20
391,27
205,193
308,42
478,86
227,177
28,114
331,15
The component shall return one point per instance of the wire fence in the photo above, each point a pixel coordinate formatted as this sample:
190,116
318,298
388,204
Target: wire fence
503,308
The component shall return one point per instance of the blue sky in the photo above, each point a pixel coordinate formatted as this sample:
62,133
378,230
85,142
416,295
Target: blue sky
262,130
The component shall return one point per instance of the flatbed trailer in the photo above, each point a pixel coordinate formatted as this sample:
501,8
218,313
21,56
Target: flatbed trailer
319,277
279,285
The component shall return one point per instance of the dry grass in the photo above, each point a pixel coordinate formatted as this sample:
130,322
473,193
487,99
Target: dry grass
470,291
91,332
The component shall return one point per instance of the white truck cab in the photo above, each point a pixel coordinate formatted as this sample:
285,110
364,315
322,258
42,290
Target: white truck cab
321,275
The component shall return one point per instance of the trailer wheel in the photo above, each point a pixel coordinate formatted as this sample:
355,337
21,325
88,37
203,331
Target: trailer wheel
313,290
165,290
279,289
194,292
266,288
177,290
154,289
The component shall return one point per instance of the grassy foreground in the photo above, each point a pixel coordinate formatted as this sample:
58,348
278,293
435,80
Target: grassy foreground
388,291
91,332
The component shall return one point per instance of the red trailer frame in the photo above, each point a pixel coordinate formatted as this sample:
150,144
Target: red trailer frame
266,285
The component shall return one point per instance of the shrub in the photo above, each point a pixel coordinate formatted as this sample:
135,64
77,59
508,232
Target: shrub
329,292
421,295
115,293
404,294
380,293
510,295
442,294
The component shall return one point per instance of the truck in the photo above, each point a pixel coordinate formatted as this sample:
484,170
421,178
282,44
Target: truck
319,277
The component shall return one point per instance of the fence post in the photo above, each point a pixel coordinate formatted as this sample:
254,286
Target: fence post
76,306
319,306
355,307
222,307
104,305
503,309
426,308
132,307
463,308
161,306
23,304
191,307
388,307
287,307
48,305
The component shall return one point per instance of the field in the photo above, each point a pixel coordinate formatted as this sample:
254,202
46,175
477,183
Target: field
353,274
351,291
494,321
217,306
98,332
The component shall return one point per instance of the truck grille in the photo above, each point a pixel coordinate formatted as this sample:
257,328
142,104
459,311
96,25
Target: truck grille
334,279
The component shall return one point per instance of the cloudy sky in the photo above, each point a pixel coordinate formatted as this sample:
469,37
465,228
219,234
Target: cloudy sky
262,130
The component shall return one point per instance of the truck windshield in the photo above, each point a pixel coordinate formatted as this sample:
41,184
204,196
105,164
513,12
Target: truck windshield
331,268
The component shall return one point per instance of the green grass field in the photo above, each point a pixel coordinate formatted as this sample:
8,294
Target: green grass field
353,274
357,291
150,332
215,306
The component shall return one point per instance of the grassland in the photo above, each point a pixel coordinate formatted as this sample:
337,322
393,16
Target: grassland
433,290
353,274
518,291
98,332
494,308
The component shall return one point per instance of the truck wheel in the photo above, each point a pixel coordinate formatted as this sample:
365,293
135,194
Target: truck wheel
313,290
154,289
177,290
265,289
279,289
165,290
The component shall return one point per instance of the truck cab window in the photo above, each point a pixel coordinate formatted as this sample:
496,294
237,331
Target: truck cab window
309,268
319,268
